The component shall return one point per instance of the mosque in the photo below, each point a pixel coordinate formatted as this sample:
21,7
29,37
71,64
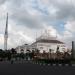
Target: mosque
45,42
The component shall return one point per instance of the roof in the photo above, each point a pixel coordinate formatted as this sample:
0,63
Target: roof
49,41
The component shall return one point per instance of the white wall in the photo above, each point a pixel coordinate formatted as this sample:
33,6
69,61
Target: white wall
18,49
53,46
43,46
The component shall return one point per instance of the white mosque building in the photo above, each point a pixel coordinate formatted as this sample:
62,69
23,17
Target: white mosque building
45,42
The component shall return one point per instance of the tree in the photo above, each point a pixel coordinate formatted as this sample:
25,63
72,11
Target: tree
8,54
22,55
57,53
32,54
13,51
1,54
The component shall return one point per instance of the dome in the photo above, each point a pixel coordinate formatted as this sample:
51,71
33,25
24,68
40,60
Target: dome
46,35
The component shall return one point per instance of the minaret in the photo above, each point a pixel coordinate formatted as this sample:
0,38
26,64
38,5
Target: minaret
6,34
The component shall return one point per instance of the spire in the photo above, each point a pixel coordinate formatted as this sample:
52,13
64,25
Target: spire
56,35
6,29
6,33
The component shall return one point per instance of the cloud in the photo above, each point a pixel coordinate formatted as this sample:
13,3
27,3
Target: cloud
2,1
70,25
26,17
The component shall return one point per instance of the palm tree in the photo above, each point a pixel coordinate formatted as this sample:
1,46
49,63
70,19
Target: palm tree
13,53
57,52
1,54
32,54
50,53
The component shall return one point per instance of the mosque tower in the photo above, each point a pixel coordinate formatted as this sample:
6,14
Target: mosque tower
6,34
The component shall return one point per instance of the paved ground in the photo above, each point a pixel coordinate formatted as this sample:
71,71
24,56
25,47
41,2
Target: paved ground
28,68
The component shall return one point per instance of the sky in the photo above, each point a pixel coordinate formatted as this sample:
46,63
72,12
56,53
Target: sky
28,19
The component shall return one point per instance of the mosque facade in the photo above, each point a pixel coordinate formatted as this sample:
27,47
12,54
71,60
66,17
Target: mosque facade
45,43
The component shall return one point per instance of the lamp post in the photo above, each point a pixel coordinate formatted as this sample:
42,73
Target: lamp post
73,52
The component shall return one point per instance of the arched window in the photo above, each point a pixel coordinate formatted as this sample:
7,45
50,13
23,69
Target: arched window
22,51
41,47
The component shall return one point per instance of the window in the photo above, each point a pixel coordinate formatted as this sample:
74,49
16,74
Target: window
63,45
40,44
41,47
58,45
63,48
33,48
22,51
